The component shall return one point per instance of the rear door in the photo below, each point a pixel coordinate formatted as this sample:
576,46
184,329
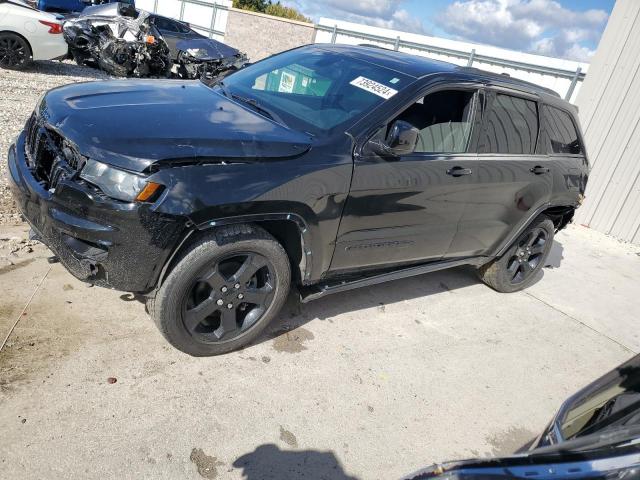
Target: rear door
511,174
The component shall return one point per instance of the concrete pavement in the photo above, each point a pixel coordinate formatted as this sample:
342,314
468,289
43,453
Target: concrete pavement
366,384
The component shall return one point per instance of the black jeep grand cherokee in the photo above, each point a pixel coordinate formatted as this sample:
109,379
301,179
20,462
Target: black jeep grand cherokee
327,167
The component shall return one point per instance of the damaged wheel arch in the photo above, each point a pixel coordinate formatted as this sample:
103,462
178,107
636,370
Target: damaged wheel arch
289,229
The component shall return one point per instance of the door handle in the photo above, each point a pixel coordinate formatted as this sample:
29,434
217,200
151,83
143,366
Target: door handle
538,170
459,171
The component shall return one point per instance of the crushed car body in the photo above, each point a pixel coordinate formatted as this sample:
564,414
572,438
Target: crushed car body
207,60
128,42
125,45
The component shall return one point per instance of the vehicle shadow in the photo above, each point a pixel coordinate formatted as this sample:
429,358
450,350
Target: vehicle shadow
269,462
296,314
64,69
554,260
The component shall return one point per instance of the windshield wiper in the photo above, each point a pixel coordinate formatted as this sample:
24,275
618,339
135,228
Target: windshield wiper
252,102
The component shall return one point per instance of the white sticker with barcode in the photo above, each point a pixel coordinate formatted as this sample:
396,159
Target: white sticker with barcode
374,87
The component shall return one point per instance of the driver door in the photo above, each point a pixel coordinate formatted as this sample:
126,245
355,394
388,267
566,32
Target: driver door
405,209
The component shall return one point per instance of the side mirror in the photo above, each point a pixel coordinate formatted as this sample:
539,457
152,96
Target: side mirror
401,140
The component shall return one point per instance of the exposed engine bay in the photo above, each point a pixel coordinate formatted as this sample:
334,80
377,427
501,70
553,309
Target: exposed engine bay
124,42
207,61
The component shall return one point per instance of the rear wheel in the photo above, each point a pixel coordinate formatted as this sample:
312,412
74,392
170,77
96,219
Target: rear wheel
518,267
15,52
223,291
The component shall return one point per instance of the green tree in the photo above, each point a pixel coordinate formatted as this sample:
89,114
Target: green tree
270,8
279,10
253,5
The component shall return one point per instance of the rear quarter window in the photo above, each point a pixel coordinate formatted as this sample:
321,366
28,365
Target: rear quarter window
561,132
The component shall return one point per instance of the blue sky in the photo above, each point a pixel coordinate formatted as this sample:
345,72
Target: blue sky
560,28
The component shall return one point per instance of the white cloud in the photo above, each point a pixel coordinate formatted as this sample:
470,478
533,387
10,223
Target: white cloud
378,13
538,26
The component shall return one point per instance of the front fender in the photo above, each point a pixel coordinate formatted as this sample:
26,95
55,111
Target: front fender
310,195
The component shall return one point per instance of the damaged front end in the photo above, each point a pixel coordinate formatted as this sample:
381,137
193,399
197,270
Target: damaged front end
88,230
127,45
208,60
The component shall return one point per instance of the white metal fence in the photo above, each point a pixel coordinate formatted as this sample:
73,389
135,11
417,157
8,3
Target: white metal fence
562,76
209,17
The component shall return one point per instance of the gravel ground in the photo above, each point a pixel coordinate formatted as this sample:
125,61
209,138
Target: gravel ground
20,92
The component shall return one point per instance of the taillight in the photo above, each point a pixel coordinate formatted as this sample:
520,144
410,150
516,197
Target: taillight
55,28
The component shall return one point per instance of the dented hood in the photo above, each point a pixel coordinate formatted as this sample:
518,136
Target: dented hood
207,49
135,123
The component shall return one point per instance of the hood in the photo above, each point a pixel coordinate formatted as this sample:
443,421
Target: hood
135,123
206,49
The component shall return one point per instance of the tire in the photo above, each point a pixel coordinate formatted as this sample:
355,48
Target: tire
518,267
15,52
204,307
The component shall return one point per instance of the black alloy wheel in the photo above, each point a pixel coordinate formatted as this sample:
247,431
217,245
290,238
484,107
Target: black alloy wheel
518,268
223,290
14,51
229,297
525,259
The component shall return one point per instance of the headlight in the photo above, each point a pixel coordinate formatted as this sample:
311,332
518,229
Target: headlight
114,183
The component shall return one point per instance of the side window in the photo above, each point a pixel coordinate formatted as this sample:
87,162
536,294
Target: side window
165,24
561,130
510,126
444,120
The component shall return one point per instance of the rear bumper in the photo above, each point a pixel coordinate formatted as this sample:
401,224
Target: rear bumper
52,47
100,241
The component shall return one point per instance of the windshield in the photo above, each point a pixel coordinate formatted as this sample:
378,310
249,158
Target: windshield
316,91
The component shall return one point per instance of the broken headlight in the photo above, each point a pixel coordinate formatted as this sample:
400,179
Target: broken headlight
113,182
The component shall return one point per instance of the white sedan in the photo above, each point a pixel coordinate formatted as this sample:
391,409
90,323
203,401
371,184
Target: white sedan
28,34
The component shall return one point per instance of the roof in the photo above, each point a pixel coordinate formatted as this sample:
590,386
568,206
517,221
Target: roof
417,66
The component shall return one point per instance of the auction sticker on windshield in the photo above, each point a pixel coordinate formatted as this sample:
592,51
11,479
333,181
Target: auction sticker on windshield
374,87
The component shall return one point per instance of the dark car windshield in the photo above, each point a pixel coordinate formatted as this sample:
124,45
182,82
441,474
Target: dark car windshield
314,90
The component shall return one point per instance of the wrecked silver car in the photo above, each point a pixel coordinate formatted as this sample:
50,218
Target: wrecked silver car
125,41
125,45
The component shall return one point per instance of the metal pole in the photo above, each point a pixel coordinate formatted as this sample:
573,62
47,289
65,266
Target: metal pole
182,10
214,14
472,55
574,82
155,6
334,34
396,45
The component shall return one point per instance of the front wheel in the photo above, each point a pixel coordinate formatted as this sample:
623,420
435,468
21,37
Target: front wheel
223,291
518,267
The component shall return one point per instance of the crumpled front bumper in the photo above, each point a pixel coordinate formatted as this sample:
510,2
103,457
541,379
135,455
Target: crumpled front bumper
100,241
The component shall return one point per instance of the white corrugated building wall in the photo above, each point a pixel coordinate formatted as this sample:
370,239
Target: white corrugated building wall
609,103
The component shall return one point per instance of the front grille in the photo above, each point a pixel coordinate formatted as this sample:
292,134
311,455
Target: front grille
47,155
